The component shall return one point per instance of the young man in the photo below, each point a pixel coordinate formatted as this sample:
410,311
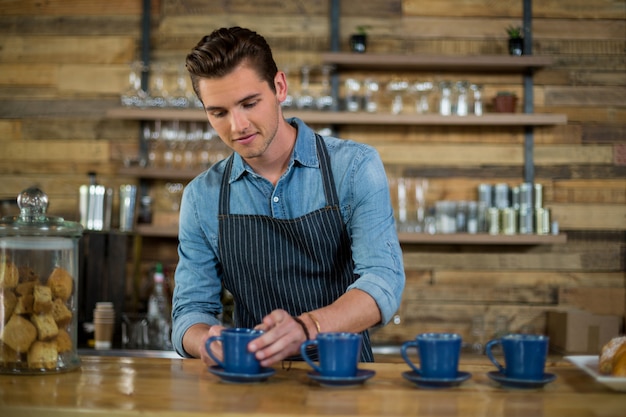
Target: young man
298,227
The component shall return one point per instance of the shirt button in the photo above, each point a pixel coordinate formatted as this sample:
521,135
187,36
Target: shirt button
276,199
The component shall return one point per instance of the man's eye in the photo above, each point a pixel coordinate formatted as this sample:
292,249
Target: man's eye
218,114
250,104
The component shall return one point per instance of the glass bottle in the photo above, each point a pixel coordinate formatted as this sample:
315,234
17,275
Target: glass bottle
461,98
477,99
159,313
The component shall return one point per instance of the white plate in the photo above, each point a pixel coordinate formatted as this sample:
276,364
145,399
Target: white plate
589,364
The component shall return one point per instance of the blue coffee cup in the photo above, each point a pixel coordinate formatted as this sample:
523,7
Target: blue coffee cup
524,355
237,358
339,353
438,354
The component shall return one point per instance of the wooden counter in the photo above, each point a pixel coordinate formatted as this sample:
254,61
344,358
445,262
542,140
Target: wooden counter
131,386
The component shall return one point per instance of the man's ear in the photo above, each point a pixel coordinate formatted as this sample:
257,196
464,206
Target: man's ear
280,84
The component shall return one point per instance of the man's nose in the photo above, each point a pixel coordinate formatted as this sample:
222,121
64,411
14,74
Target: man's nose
239,121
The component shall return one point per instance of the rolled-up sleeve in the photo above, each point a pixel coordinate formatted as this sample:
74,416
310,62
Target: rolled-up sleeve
376,250
197,290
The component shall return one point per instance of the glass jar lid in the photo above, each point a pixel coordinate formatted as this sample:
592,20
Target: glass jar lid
33,221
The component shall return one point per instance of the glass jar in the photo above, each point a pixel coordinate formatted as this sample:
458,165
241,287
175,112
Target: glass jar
38,289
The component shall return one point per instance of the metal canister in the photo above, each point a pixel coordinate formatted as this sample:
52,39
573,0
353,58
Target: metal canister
526,221
508,218
485,194
538,196
501,196
526,196
515,197
542,219
493,221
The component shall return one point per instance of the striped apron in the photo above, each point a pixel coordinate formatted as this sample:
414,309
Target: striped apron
297,264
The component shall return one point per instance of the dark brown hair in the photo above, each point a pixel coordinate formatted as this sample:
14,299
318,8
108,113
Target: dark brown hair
219,53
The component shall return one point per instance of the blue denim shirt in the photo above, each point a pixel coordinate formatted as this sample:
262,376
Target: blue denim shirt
363,192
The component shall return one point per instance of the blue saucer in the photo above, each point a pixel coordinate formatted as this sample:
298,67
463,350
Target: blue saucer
362,375
241,378
424,382
521,383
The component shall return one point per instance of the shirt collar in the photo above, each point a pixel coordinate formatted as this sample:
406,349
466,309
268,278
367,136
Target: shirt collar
304,153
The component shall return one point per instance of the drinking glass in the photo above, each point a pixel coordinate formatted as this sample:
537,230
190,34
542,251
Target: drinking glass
445,98
372,93
397,88
134,96
422,92
152,138
352,94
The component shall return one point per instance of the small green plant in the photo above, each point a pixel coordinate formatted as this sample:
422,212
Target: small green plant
514,32
362,29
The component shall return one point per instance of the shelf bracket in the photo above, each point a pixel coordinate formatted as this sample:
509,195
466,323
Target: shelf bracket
529,134
335,46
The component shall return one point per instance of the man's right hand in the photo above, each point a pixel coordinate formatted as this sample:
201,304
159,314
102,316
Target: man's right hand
195,339
216,347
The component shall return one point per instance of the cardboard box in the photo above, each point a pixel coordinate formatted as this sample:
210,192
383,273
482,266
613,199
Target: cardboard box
574,331
608,301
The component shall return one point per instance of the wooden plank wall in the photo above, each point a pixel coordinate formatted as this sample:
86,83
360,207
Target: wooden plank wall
62,64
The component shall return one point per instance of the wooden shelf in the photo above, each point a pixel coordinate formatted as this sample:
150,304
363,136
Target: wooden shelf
132,113
156,231
490,119
414,238
358,118
481,239
469,63
160,173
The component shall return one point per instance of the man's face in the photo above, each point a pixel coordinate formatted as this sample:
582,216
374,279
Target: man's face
243,109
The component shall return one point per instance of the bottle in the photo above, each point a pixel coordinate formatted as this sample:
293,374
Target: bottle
159,313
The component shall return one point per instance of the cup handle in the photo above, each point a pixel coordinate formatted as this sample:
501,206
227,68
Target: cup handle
493,360
405,356
207,346
304,349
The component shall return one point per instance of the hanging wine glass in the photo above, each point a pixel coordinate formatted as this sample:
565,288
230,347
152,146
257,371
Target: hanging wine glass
180,96
157,94
325,101
134,96
305,100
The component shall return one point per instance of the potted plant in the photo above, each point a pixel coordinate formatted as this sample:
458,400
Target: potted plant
504,102
358,40
516,41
